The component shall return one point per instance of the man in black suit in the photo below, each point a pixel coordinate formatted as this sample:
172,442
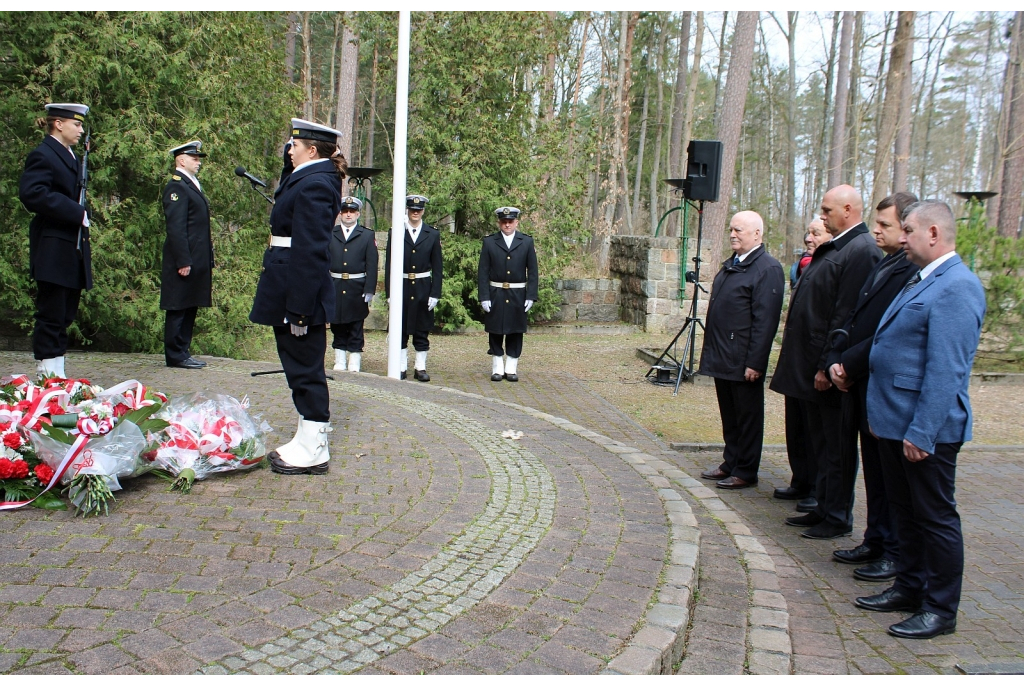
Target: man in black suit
58,237
421,284
354,260
848,369
186,281
743,316
507,286
821,301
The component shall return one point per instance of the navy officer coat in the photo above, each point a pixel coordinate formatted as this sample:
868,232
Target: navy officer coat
420,257
500,264
356,255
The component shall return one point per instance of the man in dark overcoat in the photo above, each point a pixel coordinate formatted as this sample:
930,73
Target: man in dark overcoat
820,303
742,318
354,261
58,237
186,281
848,369
421,284
507,287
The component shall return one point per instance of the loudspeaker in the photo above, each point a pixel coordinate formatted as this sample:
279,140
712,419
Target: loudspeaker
703,170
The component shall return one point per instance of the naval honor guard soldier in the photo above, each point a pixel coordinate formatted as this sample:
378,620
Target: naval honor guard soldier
58,237
421,284
186,280
507,280
354,260
295,293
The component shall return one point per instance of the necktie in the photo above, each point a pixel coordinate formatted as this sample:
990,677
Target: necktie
914,280
735,260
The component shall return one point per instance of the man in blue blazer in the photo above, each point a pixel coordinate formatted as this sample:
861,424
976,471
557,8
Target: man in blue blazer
920,366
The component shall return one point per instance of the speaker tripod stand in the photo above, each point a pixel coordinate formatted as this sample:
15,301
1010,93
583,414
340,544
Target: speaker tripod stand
682,366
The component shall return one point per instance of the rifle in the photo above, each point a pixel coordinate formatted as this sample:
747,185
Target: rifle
83,182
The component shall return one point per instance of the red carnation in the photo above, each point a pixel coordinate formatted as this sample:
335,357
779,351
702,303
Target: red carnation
6,468
23,405
44,473
120,410
20,469
55,409
12,440
4,426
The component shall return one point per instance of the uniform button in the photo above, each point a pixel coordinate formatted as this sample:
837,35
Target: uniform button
509,257
414,251
344,263
508,272
343,292
346,249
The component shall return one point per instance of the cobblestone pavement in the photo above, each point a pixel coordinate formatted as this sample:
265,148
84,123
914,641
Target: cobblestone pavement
436,546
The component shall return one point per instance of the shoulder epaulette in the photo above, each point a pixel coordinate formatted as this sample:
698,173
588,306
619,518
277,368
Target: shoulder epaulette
175,177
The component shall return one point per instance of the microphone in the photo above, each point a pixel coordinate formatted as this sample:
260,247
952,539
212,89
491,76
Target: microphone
242,173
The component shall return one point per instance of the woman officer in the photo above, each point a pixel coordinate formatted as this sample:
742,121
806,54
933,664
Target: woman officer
58,236
295,294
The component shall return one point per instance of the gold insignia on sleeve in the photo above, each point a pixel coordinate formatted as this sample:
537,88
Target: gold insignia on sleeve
174,197
176,177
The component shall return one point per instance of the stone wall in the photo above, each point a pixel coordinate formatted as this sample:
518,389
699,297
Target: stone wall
648,270
591,300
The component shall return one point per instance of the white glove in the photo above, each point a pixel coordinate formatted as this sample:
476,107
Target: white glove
486,304
431,303
85,219
298,331
529,303
367,298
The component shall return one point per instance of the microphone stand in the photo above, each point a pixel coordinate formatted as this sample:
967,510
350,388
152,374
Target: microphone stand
265,196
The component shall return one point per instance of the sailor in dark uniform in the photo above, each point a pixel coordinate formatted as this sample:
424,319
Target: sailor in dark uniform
186,281
295,293
421,281
58,237
354,261
507,280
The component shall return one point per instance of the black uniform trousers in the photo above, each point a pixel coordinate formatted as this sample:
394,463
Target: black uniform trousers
509,343
348,336
923,506
420,340
302,358
879,534
178,325
833,489
56,309
741,405
803,459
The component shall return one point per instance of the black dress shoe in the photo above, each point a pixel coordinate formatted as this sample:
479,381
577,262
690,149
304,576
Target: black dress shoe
278,465
922,626
402,375
421,376
714,474
888,600
807,504
496,377
198,361
883,569
511,378
735,483
806,520
826,531
789,493
861,554
189,363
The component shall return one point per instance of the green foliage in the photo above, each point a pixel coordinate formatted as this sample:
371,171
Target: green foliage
999,262
153,80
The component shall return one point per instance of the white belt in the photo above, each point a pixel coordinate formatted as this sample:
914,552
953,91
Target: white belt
507,285
346,277
413,277
280,241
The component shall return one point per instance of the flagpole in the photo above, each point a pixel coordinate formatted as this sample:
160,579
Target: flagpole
396,240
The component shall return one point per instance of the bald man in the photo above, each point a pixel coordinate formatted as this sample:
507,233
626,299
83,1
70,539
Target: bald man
743,316
820,303
918,406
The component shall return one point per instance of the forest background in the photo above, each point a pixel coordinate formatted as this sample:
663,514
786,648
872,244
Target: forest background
575,117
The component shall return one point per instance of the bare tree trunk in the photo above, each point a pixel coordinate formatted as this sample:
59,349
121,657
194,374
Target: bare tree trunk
930,107
890,108
901,153
549,69
821,148
794,231
307,67
576,92
855,118
289,46
655,205
331,103
691,88
643,138
838,146
730,122
1013,148
721,65
372,118
998,163
675,144
348,75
